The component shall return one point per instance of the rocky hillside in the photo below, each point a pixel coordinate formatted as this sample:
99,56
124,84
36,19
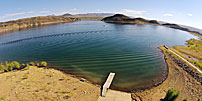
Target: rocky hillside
175,26
16,25
120,18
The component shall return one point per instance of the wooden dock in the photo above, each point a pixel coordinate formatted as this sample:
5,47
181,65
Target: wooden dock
107,84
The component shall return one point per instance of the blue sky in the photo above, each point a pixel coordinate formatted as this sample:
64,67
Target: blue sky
186,12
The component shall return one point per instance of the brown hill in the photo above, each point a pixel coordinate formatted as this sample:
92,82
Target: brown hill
33,22
120,18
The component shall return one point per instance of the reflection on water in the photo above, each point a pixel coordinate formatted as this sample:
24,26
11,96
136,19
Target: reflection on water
93,49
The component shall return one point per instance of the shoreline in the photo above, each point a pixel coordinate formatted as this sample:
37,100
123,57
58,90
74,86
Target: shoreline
74,75
177,78
88,80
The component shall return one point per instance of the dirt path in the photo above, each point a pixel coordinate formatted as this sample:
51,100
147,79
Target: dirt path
178,79
113,95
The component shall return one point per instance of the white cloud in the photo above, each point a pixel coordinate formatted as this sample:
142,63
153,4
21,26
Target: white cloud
44,11
30,12
189,14
11,15
60,13
133,12
98,10
18,8
73,10
168,15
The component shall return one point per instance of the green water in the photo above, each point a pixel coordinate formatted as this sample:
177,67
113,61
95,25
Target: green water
92,49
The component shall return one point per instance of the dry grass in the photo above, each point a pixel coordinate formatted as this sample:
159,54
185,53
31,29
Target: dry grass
39,84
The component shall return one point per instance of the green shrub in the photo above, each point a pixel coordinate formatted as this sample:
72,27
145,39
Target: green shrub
198,63
2,98
27,65
37,64
16,64
32,63
186,99
190,43
8,67
2,70
4,67
23,65
172,95
43,63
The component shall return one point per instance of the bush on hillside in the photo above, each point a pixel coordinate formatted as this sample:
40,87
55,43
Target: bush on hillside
172,95
9,66
27,65
16,64
199,64
43,63
31,63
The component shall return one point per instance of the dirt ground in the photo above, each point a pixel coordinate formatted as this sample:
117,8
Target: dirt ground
39,84
178,79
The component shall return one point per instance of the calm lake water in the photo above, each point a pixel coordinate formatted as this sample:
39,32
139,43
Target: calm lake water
92,49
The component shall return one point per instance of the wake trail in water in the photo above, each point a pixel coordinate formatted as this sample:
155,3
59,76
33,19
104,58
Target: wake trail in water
54,35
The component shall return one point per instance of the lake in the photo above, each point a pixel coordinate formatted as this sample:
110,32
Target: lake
93,49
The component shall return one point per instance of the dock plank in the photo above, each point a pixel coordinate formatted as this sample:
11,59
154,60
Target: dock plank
107,84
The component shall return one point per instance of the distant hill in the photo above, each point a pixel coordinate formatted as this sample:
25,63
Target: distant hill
182,27
120,18
88,16
66,14
96,14
197,30
192,28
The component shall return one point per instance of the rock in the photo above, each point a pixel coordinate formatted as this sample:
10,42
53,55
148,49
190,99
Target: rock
82,79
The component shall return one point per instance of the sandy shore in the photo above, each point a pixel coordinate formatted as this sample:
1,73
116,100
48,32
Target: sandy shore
40,84
177,78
